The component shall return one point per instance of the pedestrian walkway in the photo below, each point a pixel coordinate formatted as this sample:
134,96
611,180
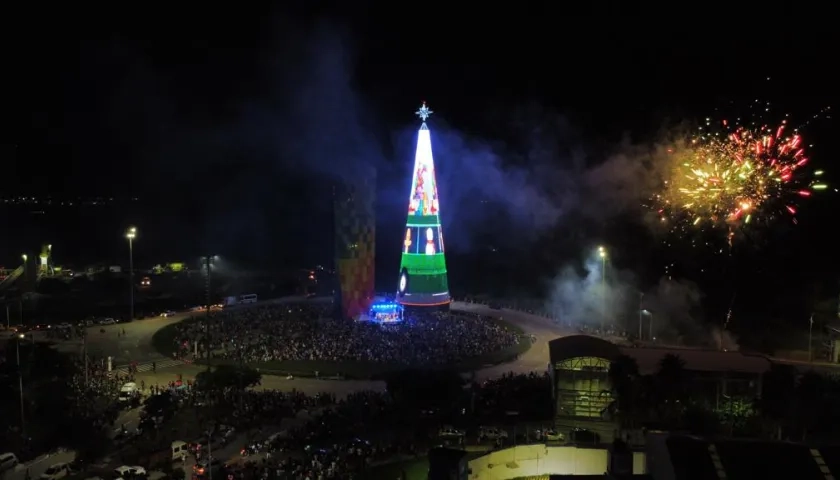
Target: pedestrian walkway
147,367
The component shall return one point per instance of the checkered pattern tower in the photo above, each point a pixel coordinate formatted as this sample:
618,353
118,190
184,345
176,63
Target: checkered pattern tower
355,241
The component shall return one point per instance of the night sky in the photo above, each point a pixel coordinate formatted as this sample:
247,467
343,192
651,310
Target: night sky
230,126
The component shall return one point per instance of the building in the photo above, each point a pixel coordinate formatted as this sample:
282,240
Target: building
355,242
717,377
673,457
579,374
423,282
582,391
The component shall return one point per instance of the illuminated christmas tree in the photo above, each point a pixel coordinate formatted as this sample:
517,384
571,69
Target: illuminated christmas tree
423,281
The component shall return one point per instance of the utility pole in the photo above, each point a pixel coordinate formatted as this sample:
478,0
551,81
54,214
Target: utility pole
602,252
130,235
207,262
8,318
210,452
20,387
641,312
650,326
84,352
810,337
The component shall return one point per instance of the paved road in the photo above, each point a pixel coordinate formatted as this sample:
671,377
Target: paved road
339,388
230,453
534,360
135,345
38,466
128,418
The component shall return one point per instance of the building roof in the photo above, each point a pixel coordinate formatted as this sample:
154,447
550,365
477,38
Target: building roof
575,346
699,360
691,459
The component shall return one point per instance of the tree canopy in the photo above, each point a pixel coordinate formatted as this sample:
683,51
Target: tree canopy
60,409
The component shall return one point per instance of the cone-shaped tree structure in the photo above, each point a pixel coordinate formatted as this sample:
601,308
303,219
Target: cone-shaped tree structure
422,281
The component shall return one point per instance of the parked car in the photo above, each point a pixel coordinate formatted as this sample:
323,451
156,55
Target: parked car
55,472
8,461
127,471
491,433
450,432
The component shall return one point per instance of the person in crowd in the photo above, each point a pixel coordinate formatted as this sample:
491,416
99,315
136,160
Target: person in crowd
290,332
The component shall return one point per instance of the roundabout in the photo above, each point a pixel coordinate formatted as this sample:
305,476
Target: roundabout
535,330
304,342
138,342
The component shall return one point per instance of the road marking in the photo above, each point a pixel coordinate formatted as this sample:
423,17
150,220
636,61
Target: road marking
147,366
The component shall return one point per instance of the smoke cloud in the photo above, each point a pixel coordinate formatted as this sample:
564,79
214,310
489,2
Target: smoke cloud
316,120
582,296
305,113
306,116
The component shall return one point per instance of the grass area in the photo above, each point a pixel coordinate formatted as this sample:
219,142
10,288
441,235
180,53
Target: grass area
414,469
163,341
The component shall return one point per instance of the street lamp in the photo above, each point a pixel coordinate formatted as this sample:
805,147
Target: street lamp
650,324
130,234
208,265
602,252
20,387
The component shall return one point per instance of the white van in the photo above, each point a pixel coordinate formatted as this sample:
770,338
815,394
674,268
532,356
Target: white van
179,450
128,392
8,461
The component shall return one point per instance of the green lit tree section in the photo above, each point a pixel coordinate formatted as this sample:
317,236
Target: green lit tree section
422,280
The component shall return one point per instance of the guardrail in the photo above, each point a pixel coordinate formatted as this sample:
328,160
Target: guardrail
11,278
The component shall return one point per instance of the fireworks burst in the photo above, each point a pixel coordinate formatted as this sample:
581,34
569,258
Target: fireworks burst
734,175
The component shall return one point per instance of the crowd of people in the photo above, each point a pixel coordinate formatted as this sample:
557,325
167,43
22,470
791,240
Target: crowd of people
338,442
90,384
338,439
295,332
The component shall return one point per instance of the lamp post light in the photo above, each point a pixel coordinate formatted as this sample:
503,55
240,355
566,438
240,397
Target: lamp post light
650,324
602,252
131,234
20,386
25,258
208,267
